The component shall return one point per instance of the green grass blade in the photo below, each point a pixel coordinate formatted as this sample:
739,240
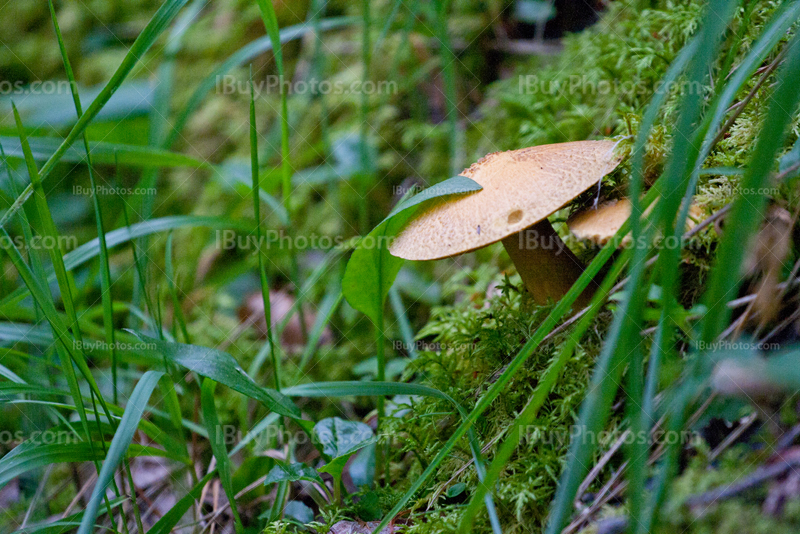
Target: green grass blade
66,344
223,368
63,278
119,445
330,303
66,524
105,279
448,61
403,323
366,171
262,271
218,447
365,389
273,31
173,291
106,153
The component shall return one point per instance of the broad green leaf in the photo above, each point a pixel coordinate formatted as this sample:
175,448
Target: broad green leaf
371,270
340,438
223,368
292,473
298,511
456,489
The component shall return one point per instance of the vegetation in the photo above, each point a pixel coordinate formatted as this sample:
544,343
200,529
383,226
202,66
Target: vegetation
202,328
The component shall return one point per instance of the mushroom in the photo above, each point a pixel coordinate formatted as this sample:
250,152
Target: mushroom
598,225
521,188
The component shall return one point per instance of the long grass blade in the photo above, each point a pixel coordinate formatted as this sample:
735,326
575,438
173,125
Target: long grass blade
218,447
105,271
262,271
119,445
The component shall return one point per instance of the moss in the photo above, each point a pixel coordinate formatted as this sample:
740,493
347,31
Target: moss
471,341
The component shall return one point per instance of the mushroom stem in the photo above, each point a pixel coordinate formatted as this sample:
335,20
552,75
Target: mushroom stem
547,266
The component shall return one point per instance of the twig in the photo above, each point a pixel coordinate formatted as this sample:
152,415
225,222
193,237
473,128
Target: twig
761,475
733,436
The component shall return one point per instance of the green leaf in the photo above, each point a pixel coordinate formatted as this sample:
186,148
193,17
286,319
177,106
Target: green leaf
340,438
119,445
372,269
223,368
292,473
456,489
299,512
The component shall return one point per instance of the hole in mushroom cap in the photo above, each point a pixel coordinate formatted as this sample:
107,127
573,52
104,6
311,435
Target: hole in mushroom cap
515,217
